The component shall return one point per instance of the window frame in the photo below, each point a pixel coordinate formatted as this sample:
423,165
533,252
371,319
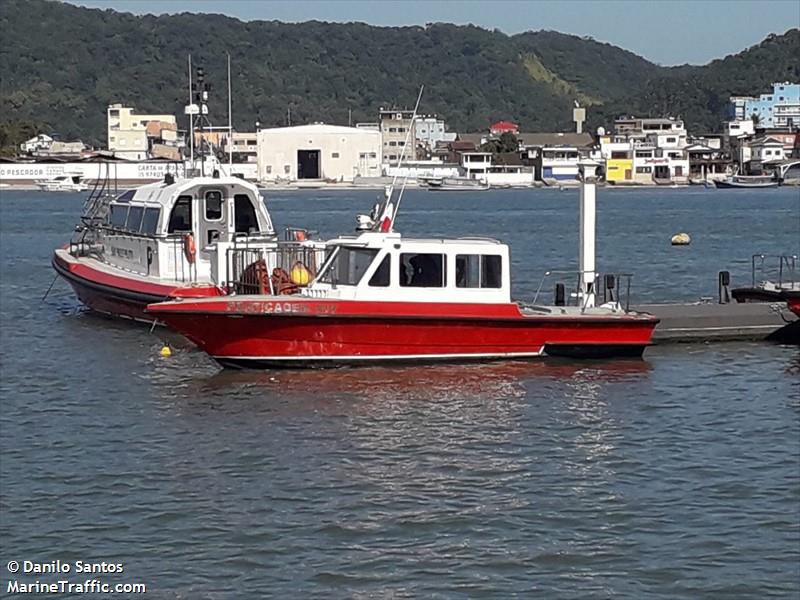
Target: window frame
405,282
479,261
131,226
221,206
184,199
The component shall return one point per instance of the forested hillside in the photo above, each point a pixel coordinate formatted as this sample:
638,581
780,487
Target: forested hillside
63,64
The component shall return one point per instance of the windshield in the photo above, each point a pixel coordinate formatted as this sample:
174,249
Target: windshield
346,266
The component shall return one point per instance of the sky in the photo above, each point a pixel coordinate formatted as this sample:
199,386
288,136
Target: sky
667,32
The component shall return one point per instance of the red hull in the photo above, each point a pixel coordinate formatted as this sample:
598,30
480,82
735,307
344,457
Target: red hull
118,295
302,331
793,300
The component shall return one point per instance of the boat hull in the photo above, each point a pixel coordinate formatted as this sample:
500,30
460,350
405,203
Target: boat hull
745,185
298,332
793,301
117,295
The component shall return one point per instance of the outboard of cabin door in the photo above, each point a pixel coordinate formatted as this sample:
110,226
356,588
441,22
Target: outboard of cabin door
213,219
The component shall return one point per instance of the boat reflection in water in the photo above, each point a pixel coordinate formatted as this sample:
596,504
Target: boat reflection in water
392,386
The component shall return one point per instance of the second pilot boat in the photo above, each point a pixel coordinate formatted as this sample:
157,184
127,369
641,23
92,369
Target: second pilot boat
181,238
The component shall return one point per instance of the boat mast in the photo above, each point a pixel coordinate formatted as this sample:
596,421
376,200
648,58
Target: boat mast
230,121
400,162
191,119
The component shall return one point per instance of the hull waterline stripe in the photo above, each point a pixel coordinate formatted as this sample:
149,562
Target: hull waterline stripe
383,356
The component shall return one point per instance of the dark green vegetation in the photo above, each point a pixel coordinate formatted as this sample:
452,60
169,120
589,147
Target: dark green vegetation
62,65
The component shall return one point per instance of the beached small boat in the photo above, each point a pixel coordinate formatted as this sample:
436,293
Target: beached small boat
454,184
748,182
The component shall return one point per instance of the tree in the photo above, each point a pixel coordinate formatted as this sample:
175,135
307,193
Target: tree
507,142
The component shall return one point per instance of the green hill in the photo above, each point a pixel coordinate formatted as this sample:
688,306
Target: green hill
63,64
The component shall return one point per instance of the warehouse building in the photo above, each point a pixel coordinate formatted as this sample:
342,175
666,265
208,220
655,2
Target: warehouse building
319,151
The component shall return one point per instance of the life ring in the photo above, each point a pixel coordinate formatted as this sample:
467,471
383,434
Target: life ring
189,248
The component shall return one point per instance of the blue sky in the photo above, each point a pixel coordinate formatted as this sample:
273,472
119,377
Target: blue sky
667,32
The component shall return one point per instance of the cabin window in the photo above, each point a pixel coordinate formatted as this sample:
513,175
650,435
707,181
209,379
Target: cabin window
380,278
134,218
422,270
346,266
619,154
150,220
213,205
181,218
244,214
479,271
126,196
119,214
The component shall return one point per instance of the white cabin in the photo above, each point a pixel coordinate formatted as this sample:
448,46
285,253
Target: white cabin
386,267
147,228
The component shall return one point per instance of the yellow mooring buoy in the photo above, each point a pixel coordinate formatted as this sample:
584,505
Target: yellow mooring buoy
681,239
165,351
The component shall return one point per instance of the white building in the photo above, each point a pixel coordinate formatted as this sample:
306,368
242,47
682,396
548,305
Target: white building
39,142
738,129
560,163
476,164
127,131
318,151
244,146
429,130
423,169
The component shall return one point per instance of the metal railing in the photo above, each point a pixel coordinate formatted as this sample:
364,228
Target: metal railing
764,268
607,286
280,268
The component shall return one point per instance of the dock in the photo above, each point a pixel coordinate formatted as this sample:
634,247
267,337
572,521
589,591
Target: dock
714,322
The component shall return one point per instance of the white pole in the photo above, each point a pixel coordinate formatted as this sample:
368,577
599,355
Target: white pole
410,134
230,121
587,244
191,122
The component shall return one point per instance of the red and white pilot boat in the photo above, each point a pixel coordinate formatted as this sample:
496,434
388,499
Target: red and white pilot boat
382,297
179,238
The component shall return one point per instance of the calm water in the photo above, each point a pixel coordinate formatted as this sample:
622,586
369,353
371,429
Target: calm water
673,477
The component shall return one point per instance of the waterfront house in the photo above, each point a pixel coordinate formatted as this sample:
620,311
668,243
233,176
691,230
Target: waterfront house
706,163
502,127
476,164
617,152
555,156
766,152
